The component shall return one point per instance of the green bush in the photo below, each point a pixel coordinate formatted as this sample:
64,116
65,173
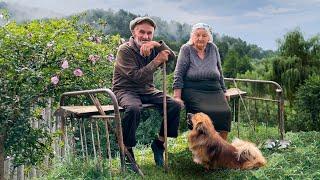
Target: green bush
305,114
40,60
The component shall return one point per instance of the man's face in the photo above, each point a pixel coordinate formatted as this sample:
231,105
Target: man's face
143,33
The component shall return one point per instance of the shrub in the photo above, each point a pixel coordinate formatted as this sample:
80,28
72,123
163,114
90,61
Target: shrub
305,115
40,60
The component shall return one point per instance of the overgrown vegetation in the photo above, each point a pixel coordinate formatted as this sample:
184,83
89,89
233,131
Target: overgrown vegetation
41,60
299,161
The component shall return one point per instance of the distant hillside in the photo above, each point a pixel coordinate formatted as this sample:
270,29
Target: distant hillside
117,22
243,49
21,13
174,33
111,22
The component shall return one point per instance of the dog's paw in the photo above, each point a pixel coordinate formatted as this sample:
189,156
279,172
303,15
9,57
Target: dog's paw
197,160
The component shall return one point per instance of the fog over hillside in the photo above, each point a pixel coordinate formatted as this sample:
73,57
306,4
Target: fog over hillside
22,13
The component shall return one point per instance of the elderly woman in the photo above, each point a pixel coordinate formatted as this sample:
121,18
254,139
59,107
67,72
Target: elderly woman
198,79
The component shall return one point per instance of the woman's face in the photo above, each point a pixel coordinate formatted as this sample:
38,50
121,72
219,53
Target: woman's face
200,38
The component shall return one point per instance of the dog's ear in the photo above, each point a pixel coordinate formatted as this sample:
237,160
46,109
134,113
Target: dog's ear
201,128
245,156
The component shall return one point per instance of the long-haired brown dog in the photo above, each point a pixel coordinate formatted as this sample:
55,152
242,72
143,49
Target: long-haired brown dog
210,150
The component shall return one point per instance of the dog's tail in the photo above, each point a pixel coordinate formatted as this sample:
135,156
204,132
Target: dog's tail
249,154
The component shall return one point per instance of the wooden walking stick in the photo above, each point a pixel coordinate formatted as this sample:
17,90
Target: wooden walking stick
165,117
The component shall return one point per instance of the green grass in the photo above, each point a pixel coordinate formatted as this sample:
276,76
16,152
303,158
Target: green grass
300,161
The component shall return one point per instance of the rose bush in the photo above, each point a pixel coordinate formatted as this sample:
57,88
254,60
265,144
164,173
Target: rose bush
40,60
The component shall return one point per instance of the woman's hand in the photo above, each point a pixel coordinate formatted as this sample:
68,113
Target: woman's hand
180,102
227,97
177,97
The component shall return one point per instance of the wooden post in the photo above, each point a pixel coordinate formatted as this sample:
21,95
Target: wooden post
20,172
33,173
108,144
81,138
47,118
165,118
63,131
237,114
93,143
280,112
1,157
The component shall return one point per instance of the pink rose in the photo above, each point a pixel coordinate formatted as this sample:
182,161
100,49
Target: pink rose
65,64
110,57
95,39
54,80
78,72
98,40
94,58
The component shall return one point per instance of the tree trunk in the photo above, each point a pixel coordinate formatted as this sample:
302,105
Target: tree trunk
1,157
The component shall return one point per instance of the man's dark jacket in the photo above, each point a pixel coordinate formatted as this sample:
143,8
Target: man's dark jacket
132,71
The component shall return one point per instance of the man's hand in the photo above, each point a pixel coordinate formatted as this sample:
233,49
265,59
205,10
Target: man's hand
162,56
146,48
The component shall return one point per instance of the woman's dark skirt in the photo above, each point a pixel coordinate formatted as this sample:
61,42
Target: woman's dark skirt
210,101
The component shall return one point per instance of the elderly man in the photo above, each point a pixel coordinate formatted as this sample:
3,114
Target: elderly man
136,62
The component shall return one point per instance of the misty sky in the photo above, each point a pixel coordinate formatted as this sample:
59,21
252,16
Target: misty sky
259,22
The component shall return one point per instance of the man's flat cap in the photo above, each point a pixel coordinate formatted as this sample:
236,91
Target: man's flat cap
139,20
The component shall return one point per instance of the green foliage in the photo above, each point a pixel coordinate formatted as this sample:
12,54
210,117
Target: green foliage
298,59
261,70
33,67
234,64
305,115
149,126
240,47
237,56
4,14
71,169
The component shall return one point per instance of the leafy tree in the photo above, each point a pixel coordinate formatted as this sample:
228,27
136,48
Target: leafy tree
227,43
298,59
234,64
230,64
223,49
261,70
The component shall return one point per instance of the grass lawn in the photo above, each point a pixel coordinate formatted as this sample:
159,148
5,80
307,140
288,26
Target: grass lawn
300,161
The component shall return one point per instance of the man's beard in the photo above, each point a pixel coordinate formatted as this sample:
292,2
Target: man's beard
141,42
